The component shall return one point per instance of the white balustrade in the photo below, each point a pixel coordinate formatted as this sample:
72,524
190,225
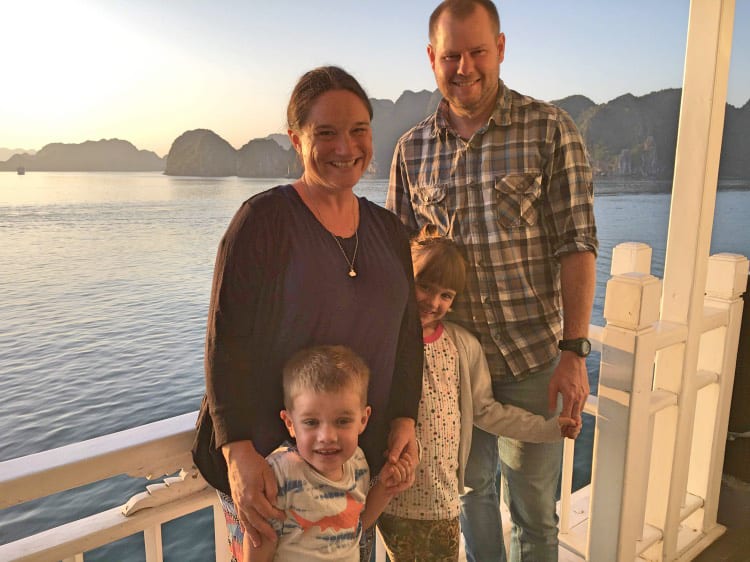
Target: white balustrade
150,451
639,404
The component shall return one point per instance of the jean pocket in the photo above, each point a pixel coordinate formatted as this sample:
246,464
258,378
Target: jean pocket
516,199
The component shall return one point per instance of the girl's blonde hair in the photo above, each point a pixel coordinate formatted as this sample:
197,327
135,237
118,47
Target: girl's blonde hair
438,260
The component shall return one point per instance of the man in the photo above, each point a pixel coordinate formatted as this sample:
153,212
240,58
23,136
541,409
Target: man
506,176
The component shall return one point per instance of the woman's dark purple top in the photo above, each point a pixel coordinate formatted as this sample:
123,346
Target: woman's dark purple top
281,284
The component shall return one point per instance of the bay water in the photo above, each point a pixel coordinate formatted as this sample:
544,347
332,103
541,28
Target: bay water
104,288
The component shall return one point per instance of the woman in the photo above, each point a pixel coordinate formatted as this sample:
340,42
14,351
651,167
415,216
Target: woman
306,264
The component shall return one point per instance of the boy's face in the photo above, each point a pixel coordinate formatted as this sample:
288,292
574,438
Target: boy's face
434,302
327,426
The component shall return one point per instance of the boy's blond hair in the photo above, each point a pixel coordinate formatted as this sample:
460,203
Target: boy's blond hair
438,260
324,368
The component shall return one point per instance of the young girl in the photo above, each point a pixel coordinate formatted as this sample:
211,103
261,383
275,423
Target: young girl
422,522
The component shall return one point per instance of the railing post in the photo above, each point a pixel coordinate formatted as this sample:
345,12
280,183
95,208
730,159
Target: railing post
708,49
221,538
620,458
566,485
152,542
726,282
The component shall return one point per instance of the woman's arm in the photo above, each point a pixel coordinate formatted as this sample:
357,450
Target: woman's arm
232,363
406,387
253,487
402,451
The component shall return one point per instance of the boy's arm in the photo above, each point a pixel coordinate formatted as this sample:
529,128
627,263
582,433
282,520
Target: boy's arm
377,498
382,491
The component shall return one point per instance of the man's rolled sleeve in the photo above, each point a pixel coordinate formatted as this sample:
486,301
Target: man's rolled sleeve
571,193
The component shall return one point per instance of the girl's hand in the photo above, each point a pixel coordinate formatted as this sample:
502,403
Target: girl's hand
569,427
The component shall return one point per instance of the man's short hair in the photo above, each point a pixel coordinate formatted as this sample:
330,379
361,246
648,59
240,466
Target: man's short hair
324,368
462,9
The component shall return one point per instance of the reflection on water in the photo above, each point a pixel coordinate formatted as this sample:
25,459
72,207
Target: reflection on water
105,284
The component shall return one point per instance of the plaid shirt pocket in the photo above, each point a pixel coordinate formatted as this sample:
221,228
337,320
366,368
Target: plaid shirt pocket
429,204
517,195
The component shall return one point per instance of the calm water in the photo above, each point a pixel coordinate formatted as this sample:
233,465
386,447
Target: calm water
104,287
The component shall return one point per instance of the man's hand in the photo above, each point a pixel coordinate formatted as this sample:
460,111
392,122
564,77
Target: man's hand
402,442
253,487
571,380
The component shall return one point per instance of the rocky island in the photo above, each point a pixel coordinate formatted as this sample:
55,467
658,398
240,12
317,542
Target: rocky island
112,155
629,136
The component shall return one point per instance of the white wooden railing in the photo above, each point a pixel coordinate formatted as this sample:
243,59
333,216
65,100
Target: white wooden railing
149,451
643,394
621,515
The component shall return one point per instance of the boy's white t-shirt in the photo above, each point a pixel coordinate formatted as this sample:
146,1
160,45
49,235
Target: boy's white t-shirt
322,516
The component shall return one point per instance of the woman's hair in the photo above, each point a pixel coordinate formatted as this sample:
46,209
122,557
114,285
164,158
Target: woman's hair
438,260
314,83
324,368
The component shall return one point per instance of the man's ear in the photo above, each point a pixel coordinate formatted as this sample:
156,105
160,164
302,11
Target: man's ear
501,46
365,418
431,55
286,416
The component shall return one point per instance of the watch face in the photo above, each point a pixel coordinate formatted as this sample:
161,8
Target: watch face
579,346
585,347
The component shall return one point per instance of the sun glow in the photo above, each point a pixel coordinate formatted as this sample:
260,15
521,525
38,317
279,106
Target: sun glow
69,63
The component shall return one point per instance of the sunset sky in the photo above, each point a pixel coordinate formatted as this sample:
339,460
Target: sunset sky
146,71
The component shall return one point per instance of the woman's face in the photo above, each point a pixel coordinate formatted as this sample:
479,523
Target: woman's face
336,141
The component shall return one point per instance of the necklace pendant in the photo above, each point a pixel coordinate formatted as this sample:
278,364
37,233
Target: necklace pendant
352,273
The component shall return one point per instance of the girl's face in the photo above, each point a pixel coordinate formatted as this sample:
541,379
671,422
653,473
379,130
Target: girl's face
326,426
336,141
434,302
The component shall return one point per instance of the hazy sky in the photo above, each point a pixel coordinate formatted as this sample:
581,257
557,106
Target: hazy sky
148,70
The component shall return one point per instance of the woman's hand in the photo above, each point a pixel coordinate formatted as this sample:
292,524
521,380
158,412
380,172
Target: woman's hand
402,445
253,487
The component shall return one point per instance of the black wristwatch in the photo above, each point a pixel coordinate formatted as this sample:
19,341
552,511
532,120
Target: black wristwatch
580,346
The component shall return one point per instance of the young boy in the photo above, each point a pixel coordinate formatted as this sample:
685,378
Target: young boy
324,480
422,523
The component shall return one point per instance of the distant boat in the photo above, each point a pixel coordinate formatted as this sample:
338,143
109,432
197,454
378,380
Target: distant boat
21,170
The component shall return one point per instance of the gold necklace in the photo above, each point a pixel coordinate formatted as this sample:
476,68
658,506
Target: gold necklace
350,263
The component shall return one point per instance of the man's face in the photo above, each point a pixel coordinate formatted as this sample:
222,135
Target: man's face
465,55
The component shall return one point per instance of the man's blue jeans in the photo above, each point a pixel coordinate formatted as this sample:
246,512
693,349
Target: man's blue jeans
530,471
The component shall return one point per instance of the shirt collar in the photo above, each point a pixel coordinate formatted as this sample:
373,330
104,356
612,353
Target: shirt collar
500,115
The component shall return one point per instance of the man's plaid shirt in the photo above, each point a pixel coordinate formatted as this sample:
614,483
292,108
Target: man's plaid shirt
515,196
